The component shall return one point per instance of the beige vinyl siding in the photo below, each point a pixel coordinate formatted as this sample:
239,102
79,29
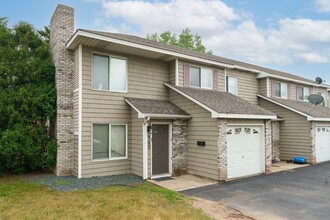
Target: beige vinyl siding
75,155
245,122
263,86
172,71
202,161
145,80
221,73
180,70
294,132
76,69
136,145
75,115
247,85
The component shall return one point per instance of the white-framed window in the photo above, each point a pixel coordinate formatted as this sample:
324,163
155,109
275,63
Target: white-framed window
231,85
201,77
281,90
109,141
303,93
109,73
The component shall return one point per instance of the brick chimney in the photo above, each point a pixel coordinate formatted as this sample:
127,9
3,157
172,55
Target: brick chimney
61,29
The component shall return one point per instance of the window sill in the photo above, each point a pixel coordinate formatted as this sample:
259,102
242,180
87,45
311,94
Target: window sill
115,91
107,160
197,87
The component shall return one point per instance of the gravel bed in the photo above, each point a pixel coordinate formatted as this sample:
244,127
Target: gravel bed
71,183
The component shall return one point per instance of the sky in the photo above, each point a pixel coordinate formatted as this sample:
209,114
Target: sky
287,35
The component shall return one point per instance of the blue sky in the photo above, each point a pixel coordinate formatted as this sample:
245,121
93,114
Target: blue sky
288,35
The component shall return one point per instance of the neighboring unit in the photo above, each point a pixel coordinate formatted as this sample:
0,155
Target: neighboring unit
130,105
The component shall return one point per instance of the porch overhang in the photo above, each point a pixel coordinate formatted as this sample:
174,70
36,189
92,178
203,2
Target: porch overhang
148,108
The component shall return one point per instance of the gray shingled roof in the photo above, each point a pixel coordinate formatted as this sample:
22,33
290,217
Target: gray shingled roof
150,106
150,43
318,111
223,102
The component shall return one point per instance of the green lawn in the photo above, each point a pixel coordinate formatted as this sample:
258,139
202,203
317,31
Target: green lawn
20,199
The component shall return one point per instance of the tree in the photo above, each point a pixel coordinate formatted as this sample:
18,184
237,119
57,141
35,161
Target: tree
186,40
27,99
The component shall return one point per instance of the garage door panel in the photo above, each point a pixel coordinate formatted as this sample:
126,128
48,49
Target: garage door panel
322,144
244,150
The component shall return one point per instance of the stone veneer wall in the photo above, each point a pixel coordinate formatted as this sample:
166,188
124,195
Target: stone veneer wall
179,147
268,146
222,149
276,140
61,29
313,136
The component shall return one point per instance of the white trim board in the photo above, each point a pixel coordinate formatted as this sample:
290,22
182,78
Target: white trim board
80,113
215,114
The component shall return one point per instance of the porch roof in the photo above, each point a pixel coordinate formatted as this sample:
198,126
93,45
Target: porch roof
223,104
313,113
156,108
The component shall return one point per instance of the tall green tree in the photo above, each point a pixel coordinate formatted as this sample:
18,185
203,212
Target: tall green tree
186,40
27,99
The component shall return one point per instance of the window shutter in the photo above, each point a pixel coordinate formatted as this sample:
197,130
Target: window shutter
186,68
289,92
215,79
273,88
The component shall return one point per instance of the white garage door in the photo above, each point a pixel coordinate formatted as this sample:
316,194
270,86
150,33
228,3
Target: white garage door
245,153
322,144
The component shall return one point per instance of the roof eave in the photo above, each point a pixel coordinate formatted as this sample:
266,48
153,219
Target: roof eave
265,75
310,118
71,45
243,116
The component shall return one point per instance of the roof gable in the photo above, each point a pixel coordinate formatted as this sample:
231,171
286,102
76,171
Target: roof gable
223,104
304,108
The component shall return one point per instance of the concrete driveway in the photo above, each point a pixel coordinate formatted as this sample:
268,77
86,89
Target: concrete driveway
295,194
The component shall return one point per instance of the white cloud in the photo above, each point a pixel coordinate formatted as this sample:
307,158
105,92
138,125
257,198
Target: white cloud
202,16
227,31
323,5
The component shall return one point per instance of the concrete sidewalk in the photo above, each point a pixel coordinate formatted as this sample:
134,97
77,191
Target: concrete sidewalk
183,182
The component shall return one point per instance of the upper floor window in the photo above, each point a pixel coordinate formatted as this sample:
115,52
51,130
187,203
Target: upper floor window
231,85
303,93
201,77
109,73
281,90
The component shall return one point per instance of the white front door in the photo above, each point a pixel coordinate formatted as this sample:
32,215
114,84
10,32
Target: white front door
245,151
322,144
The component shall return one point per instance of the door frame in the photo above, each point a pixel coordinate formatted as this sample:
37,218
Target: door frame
169,150
263,145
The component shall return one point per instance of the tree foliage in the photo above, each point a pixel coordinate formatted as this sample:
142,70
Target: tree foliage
186,40
27,99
